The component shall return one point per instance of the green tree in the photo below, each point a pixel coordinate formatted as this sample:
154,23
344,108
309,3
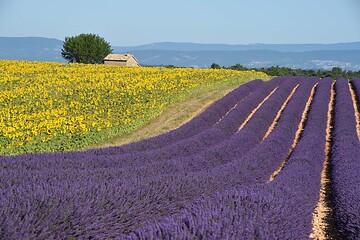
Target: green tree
215,66
336,72
238,67
85,48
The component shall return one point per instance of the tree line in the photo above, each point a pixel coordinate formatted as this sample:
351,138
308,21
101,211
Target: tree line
334,73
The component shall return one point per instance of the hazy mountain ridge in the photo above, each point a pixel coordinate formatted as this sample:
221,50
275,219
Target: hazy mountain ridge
177,46
31,48
306,56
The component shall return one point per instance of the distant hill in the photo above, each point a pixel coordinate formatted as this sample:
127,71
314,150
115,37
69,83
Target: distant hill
31,48
306,56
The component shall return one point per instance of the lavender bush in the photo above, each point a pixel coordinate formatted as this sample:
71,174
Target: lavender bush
345,163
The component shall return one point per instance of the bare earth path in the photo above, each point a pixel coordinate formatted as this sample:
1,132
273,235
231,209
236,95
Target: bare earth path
323,210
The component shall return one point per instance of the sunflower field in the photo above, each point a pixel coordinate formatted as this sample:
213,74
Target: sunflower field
47,107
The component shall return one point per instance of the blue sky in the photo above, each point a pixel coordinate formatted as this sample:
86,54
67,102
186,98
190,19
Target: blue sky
135,22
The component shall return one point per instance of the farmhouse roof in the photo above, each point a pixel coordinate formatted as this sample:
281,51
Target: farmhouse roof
118,57
126,59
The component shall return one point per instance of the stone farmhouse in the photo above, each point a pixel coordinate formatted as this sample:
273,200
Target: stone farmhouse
121,60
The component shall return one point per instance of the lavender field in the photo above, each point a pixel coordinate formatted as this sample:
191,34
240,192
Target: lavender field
255,165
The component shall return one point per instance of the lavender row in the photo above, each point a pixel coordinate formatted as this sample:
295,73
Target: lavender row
345,164
281,209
